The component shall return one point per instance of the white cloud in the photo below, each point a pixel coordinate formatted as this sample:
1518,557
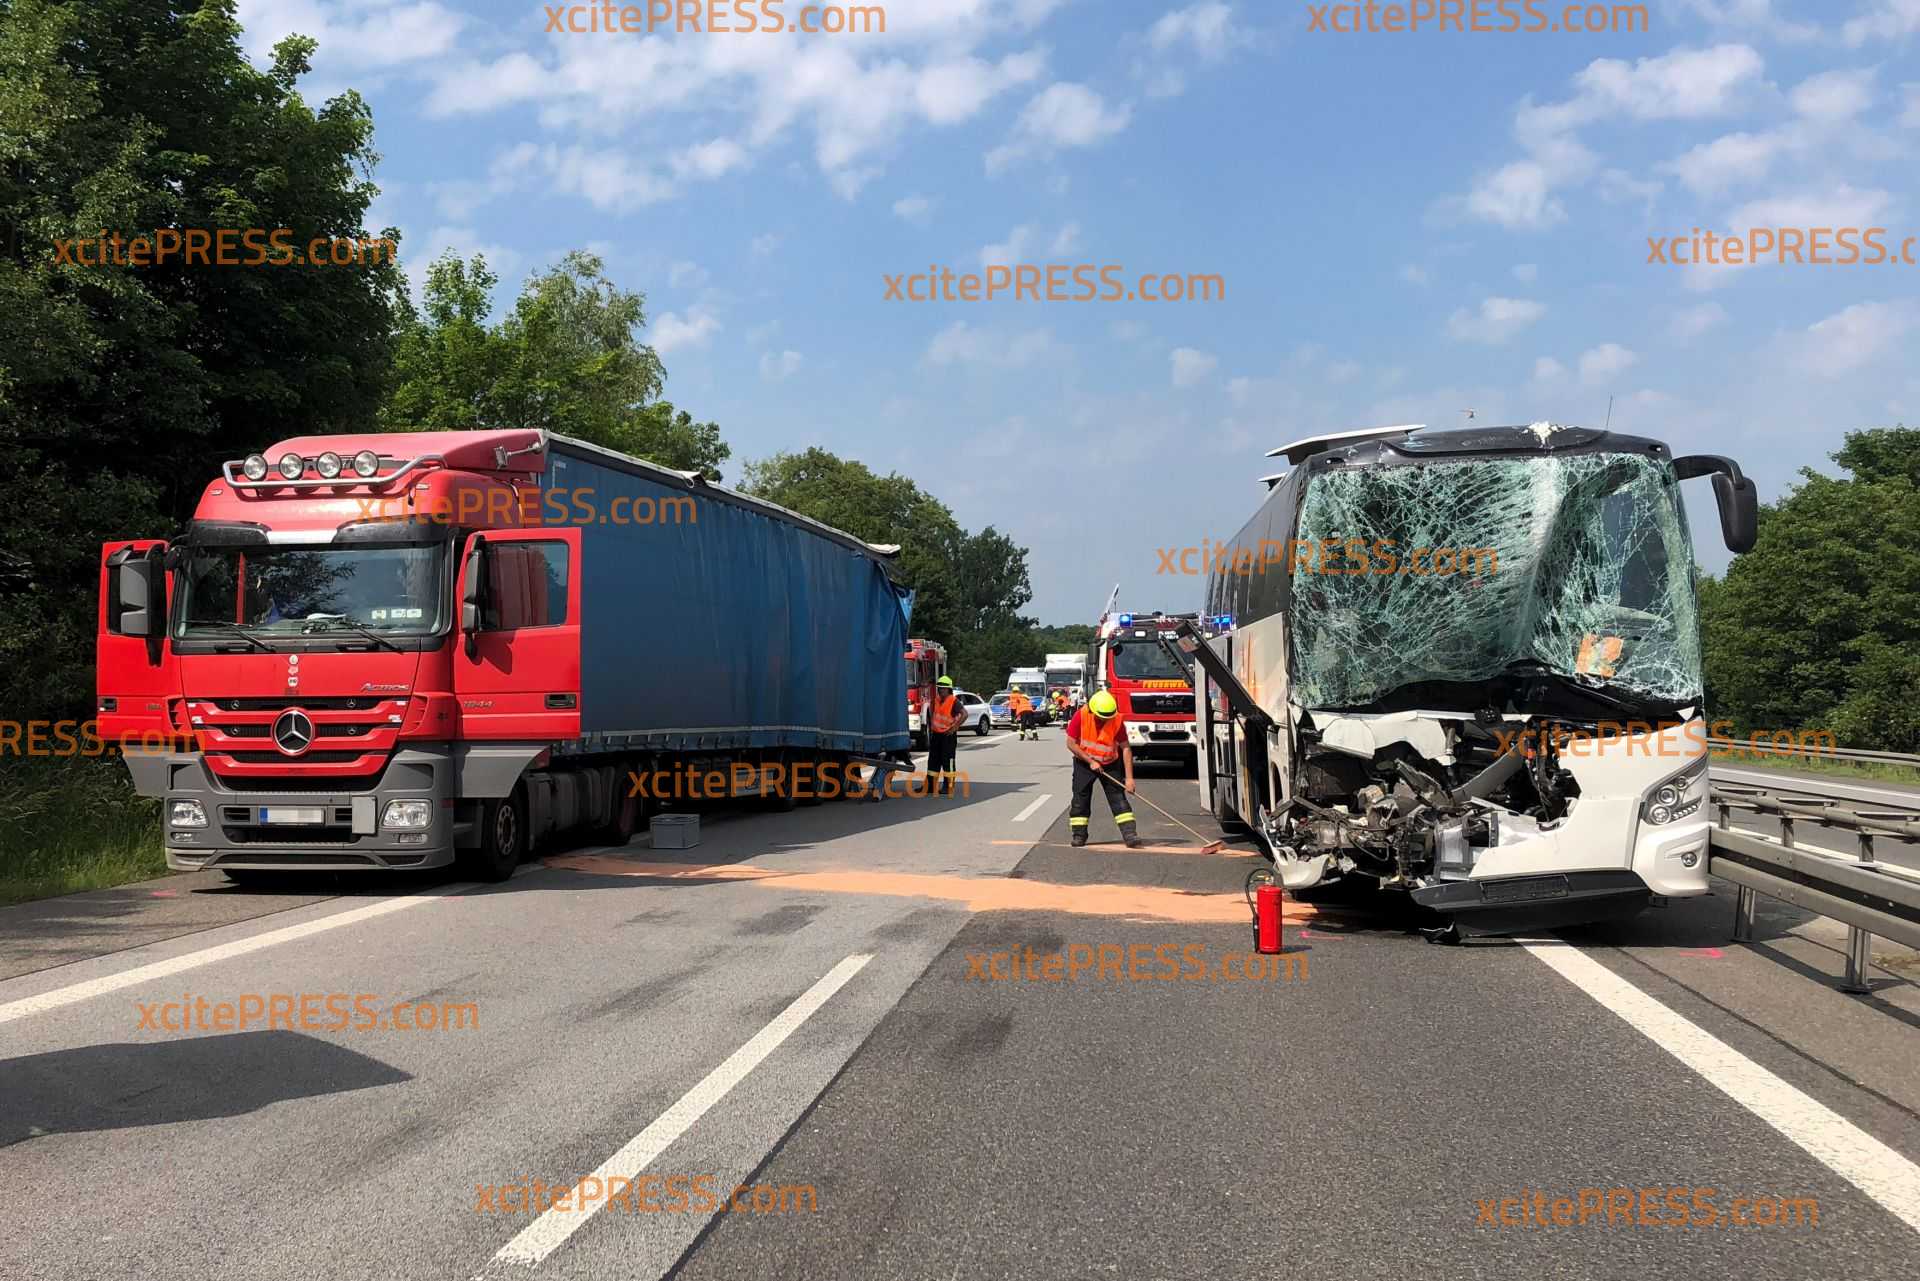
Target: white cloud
1834,95
1690,322
1062,115
1548,370
1208,28
1841,206
1753,15
1887,20
1603,362
1729,161
1857,336
1910,117
356,34
1526,273
913,208
1687,84
673,331
852,96
686,275
709,160
765,244
1415,275
1067,239
962,344
1496,320
1191,366
777,367
1009,251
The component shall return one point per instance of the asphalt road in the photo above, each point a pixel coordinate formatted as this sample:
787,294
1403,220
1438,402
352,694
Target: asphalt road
806,1000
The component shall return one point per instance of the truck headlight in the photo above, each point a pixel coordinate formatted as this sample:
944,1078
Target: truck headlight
254,468
1676,797
291,465
186,814
328,465
409,815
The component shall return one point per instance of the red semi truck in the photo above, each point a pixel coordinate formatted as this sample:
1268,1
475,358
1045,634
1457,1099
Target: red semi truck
391,650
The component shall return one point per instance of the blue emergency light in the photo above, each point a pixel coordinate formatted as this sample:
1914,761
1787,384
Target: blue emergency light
1126,620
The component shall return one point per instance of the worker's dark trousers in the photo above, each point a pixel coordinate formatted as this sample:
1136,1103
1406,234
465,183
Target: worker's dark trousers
941,751
1081,811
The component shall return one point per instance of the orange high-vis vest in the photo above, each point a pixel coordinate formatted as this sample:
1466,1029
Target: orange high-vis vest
1099,739
1018,703
946,714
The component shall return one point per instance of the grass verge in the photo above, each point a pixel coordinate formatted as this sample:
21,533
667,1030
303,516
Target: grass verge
73,823
1863,771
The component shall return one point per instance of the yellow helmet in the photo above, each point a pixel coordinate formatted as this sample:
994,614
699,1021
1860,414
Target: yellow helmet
1103,705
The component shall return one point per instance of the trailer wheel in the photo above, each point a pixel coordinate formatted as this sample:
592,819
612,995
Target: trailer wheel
626,821
503,839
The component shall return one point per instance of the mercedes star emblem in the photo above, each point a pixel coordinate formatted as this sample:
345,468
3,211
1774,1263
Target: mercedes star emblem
293,731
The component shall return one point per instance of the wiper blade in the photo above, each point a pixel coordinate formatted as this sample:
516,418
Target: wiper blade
346,622
237,630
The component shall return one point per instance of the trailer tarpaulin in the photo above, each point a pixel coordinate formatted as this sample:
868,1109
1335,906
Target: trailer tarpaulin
713,620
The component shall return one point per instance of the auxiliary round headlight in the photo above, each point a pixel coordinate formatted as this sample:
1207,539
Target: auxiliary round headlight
327,464
255,468
366,463
1660,814
291,465
1667,795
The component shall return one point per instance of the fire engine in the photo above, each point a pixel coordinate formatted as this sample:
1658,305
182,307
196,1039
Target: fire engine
926,663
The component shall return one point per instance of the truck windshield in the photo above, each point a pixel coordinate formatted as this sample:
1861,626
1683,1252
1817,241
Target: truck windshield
1144,660
1579,566
284,590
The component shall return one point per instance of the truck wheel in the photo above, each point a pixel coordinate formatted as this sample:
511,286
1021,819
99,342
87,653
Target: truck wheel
503,839
626,821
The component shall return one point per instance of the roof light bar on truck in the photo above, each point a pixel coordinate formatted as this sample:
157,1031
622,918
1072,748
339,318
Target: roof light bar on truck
255,472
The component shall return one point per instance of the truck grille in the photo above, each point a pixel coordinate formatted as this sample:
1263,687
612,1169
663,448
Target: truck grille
1162,704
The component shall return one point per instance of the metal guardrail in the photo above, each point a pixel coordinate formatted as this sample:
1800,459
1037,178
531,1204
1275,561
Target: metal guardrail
1733,755
1868,896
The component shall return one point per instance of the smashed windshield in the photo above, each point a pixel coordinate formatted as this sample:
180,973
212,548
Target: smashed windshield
1457,571
278,590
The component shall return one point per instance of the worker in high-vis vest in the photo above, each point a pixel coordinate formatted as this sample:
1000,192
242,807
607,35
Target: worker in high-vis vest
943,736
1097,736
1020,707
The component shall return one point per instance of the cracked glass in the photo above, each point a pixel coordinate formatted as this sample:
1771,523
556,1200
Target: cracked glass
1456,571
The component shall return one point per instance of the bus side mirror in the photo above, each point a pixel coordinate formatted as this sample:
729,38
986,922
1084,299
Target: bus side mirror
1739,501
131,610
1739,511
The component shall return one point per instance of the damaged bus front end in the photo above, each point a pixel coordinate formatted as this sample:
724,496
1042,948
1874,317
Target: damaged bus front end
1466,665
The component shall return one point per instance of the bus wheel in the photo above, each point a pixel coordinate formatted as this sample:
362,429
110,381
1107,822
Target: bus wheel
1223,813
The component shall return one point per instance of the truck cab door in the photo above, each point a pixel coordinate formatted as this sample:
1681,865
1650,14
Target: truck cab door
516,672
133,664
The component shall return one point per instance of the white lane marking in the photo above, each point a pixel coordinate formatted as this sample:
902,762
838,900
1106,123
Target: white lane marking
1828,1137
1027,813
546,1234
76,992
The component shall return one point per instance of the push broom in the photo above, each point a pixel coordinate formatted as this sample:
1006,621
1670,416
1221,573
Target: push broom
1206,846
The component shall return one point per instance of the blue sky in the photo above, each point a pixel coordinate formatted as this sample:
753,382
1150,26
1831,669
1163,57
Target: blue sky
1408,226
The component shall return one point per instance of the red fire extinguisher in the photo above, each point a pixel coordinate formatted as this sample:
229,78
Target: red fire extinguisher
1266,903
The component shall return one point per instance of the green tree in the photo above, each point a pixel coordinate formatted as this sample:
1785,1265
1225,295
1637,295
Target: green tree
565,360
122,386
1818,627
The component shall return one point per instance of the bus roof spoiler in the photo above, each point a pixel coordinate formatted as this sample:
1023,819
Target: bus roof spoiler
1301,450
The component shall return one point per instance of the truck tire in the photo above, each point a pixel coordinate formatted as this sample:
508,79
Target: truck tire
627,813
503,839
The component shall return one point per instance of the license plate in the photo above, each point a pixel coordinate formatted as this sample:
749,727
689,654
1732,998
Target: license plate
285,814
